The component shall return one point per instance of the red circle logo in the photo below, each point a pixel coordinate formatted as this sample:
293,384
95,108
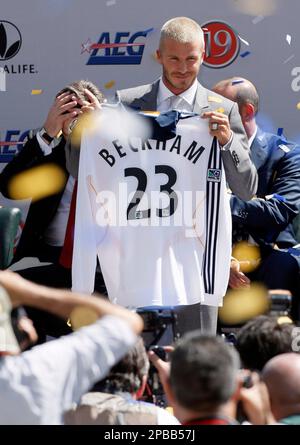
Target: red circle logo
222,44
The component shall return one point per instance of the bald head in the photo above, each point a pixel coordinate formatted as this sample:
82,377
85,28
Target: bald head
282,377
239,90
244,93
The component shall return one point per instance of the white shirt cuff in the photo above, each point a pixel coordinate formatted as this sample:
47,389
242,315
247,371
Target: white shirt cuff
46,149
226,147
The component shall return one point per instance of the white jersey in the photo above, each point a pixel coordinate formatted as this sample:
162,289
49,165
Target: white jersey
157,214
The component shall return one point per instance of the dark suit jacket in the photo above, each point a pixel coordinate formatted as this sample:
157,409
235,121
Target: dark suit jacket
278,195
241,174
40,212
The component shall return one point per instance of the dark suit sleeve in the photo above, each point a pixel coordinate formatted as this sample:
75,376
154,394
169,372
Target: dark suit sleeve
241,174
30,156
272,214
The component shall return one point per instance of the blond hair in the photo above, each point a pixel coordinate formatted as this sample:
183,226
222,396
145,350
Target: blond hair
183,30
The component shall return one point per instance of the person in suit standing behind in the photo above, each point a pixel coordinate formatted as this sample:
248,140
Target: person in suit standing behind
266,221
45,227
181,52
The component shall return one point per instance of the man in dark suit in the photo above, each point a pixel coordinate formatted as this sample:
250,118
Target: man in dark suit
181,52
266,220
45,227
44,231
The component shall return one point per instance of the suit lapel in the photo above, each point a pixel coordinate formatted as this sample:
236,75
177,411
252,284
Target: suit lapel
201,102
259,149
148,101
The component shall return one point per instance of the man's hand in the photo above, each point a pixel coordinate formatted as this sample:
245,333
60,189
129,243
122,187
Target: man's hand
63,109
163,368
237,279
256,402
91,103
218,126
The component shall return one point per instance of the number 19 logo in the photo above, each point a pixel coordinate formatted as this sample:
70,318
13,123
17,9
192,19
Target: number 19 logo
222,44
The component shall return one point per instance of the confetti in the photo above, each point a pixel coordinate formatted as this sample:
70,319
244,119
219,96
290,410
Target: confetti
284,320
246,53
215,99
289,58
248,255
298,106
2,79
220,110
288,39
280,132
87,122
109,84
36,92
240,305
258,19
110,2
82,316
244,41
256,7
38,182
235,82
150,113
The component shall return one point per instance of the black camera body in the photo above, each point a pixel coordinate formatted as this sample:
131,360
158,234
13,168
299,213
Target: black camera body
156,321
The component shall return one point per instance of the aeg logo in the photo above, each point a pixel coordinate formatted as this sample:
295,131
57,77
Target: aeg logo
222,44
122,50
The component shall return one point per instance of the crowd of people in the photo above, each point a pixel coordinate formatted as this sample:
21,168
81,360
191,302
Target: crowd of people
95,371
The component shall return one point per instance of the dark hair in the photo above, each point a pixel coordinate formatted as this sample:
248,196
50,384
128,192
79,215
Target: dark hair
127,374
203,371
261,339
78,88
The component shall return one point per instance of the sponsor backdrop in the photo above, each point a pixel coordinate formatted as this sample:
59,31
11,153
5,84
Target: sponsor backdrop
46,44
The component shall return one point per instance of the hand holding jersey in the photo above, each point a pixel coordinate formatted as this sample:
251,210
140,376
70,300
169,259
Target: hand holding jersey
150,208
219,126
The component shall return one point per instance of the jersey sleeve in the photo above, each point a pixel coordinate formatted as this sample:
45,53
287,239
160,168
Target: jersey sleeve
85,248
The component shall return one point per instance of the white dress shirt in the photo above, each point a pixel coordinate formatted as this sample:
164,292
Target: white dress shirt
39,385
186,104
55,233
251,139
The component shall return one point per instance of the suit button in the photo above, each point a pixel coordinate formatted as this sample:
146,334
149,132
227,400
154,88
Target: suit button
235,158
242,214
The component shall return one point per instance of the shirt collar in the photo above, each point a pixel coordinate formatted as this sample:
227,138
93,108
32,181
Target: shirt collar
251,139
188,95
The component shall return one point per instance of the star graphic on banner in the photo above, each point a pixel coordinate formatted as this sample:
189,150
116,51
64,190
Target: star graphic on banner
86,47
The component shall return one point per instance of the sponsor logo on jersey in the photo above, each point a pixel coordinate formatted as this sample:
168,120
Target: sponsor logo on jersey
214,175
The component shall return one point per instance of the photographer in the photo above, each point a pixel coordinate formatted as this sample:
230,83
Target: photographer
44,231
37,386
116,399
203,383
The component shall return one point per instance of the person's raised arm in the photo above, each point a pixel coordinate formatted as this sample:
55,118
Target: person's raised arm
62,302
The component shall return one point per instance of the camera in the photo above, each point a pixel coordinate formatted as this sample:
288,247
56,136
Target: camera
157,321
280,302
156,392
